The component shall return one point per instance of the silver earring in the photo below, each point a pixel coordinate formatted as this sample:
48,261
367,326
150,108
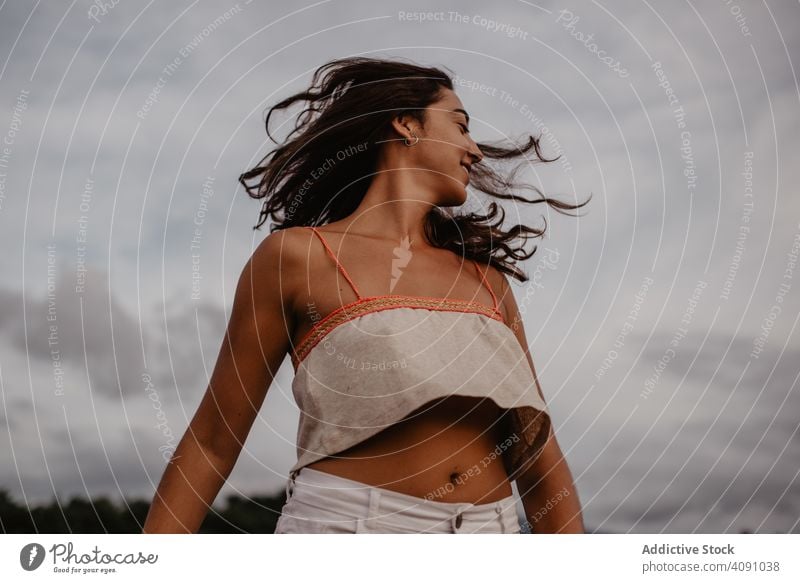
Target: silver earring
407,143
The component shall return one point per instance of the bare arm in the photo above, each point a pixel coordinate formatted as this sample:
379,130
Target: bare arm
546,487
256,342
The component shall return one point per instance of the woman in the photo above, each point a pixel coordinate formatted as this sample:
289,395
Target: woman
412,420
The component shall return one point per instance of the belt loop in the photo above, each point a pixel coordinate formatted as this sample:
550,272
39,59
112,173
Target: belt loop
501,517
374,505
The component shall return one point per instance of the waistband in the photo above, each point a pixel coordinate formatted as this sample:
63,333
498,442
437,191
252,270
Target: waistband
359,500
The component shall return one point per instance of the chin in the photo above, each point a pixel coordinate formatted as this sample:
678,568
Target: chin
454,198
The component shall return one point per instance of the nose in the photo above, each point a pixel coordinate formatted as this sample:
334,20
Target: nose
475,153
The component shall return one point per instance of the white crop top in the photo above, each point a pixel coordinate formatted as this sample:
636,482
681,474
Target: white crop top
369,363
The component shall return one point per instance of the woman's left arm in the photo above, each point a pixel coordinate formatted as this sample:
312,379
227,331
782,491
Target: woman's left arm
546,487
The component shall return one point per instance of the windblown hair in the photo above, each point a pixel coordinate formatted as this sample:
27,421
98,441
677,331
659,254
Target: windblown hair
323,169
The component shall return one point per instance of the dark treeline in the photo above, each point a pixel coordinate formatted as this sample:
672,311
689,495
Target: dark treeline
257,514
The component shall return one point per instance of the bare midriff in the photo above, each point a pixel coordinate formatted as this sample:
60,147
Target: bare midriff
443,451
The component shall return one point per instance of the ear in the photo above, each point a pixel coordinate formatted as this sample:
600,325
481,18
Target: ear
406,126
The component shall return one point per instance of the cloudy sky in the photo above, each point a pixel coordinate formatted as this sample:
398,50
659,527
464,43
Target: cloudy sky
662,321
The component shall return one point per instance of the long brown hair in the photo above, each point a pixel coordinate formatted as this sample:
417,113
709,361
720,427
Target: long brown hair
323,169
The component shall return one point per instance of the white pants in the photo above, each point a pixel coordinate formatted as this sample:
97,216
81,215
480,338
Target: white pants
319,502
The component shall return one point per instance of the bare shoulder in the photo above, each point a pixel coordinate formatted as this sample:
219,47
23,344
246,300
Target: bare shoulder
278,259
496,278
285,245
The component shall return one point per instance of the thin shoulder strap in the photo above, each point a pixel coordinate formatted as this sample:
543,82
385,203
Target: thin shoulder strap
339,265
486,283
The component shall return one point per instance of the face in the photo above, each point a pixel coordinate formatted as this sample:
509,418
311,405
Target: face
445,150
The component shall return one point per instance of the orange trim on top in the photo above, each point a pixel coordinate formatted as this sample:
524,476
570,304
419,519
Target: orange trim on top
379,303
383,302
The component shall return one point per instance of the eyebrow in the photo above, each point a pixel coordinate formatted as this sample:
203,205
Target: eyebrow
459,110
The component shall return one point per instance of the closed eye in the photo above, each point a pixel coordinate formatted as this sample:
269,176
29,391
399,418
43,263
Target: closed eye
465,128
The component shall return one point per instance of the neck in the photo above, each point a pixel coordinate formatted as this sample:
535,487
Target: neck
393,207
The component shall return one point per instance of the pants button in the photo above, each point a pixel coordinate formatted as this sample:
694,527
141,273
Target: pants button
459,519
